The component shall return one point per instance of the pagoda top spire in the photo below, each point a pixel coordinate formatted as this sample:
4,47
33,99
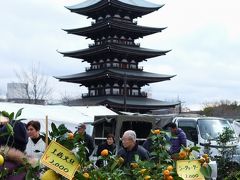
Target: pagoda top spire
88,7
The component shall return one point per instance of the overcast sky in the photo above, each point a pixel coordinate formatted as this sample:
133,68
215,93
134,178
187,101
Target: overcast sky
204,37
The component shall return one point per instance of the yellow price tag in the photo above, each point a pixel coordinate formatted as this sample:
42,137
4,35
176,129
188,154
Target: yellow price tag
189,169
60,159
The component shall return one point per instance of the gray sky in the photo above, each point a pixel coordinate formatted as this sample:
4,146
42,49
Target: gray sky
204,37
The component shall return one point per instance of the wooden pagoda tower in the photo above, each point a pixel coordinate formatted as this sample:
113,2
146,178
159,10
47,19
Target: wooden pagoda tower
114,77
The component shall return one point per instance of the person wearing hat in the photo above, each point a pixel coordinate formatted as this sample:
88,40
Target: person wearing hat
87,140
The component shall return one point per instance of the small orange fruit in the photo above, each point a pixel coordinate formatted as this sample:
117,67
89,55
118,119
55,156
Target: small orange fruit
120,160
1,160
86,175
207,159
205,156
142,171
170,168
104,153
182,154
169,178
50,174
147,177
134,165
157,131
166,172
202,160
70,136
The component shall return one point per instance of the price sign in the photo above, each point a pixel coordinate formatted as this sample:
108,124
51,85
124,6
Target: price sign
60,159
189,169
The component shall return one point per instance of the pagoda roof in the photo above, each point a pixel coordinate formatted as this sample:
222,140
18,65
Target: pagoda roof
102,28
131,75
113,49
92,7
136,102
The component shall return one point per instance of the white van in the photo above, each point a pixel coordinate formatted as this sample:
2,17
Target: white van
203,132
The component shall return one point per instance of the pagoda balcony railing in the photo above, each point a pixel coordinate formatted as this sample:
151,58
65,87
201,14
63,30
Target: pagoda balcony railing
142,94
114,18
104,66
123,20
114,41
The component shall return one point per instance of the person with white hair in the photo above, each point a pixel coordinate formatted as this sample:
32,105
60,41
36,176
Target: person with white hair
131,148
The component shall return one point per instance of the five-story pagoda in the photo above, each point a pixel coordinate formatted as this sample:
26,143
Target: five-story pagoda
114,77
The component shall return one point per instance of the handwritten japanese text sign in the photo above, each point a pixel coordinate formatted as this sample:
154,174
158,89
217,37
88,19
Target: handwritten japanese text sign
60,159
189,169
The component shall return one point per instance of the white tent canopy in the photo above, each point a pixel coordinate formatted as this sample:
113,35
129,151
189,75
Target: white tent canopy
70,116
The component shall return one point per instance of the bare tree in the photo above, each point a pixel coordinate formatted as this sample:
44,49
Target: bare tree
68,99
222,108
35,85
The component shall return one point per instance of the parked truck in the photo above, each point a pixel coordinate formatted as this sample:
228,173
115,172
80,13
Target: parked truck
204,132
118,124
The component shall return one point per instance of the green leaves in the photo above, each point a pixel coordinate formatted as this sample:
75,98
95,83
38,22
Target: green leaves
54,132
11,115
60,135
226,152
19,113
9,129
206,171
8,126
225,136
58,132
195,148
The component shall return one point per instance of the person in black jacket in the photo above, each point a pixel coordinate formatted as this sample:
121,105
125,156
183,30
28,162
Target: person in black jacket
131,148
109,145
87,140
18,139
147,144
12,147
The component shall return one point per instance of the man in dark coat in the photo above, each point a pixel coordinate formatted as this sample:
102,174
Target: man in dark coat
147,144
178,139
131,148
87,140
19,139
